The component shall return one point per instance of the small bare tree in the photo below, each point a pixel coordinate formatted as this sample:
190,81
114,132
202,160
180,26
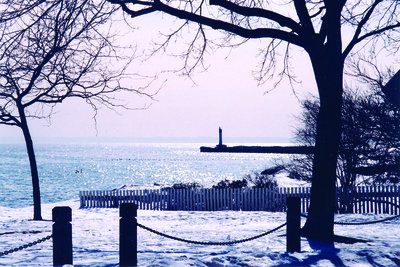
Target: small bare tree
51,51
370,142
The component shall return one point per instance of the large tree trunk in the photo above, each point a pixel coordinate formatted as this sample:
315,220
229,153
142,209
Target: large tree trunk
329,77
37,212
328,64
319,224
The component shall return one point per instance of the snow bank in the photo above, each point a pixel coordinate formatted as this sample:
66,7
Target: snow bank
95,239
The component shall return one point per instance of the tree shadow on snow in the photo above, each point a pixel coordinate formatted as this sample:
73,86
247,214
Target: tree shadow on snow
326,252
371,260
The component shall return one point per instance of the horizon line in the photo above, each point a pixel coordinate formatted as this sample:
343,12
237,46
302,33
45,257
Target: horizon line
160,139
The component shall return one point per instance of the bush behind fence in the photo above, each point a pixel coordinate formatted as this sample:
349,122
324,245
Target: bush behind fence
362,199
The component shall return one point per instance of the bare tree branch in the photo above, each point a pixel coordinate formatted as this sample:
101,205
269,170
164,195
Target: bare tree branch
304,16
222,25
258,12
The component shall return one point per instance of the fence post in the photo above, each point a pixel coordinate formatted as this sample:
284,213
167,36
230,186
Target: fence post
62,236
293,224
128,234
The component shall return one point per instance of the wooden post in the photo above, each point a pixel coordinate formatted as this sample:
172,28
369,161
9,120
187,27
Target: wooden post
128,234
62,236
293,224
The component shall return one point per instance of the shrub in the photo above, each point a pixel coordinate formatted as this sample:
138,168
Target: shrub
262,180
231,184
193,185
256,179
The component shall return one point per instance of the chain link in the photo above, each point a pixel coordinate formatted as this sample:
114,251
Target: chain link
362,223
31,244
210,243
369,222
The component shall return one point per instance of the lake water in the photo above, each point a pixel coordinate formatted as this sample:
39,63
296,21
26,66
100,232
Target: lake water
66,168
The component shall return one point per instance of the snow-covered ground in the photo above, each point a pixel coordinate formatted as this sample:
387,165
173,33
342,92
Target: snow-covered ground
95,239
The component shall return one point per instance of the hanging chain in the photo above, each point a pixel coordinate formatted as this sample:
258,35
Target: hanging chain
31,244
362,223
210,243
368,222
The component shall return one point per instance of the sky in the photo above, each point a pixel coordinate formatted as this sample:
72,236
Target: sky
226,95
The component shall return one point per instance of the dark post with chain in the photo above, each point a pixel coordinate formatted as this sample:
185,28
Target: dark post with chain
293,224
62,236
128,234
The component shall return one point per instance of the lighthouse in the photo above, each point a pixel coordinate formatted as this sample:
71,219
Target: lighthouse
220,144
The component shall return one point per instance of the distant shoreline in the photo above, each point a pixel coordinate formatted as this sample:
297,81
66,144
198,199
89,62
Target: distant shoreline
259,149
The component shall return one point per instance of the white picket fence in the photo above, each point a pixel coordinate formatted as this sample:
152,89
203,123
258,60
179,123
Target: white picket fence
359,200
369,199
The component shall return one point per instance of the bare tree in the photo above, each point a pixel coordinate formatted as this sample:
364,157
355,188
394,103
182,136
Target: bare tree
370,144
330,31
51,51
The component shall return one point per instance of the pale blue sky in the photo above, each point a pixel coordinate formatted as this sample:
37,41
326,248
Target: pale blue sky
226,95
